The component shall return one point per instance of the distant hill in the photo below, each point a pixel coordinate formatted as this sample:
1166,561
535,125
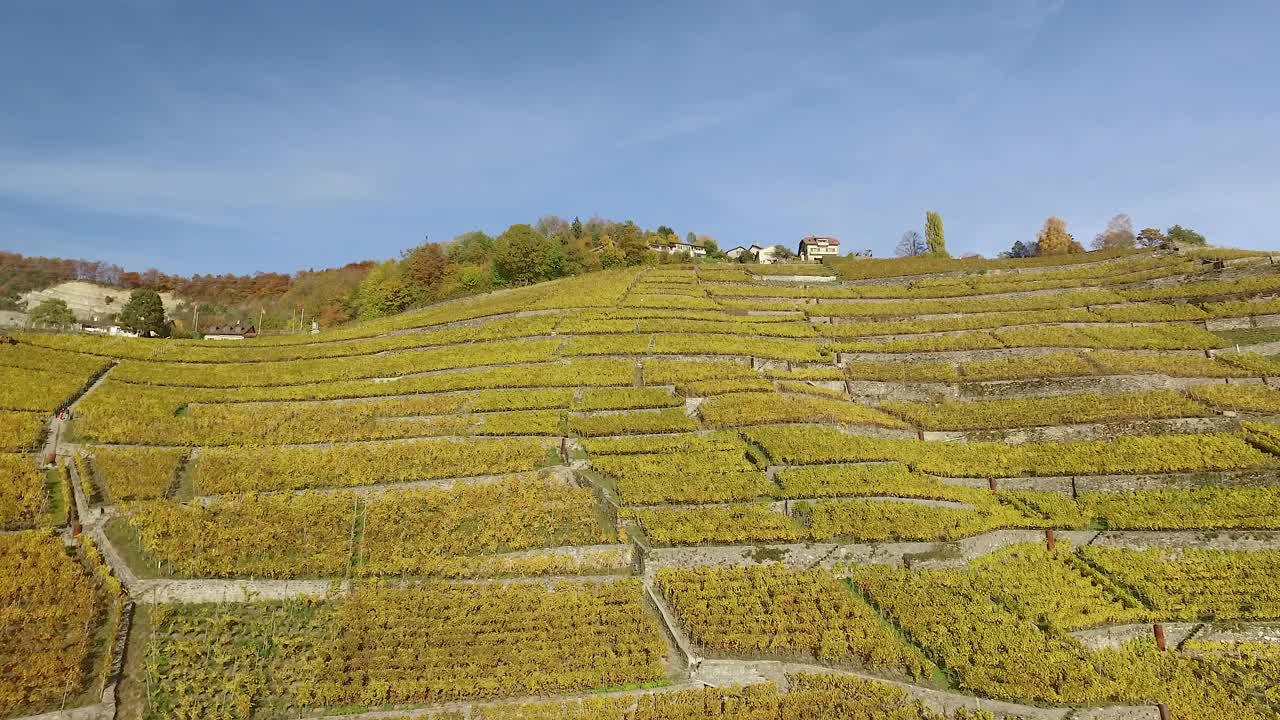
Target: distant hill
91,301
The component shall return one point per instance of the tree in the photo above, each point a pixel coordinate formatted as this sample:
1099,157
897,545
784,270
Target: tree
1019,249
911,244
933,234
666,232
1151,237
630,239
425,265
576,227
520,255
708,243
53,312
144,314
611,256
384,292
553,226
471,248
690,237
1185,236
782,252
1118,235
1053,238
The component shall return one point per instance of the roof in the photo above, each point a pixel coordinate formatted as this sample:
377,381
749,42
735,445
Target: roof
231,330
819,240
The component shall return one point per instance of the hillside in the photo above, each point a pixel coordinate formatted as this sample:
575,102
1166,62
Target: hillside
909,489
88,300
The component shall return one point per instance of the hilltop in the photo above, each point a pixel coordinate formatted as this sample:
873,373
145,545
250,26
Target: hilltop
918,488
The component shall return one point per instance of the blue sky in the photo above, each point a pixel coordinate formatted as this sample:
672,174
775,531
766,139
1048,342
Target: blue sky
243,136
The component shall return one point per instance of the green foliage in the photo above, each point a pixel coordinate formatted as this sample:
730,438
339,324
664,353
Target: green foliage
522,255
53,311
144,314
933,235
1184,236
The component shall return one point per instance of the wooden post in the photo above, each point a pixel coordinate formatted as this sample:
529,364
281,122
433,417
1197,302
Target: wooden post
1158,629
991,483
1164,711
75,526
564,449
1048,538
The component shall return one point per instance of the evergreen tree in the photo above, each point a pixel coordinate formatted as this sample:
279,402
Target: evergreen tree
144,314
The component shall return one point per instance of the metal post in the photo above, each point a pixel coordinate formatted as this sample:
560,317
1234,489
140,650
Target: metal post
1158,629
1048,538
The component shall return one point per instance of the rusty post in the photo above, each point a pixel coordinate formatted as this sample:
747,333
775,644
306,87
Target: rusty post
1048,538
1164,711
75,527
991,483
564,449
1158,629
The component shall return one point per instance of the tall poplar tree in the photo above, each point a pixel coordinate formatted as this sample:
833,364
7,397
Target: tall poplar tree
933,234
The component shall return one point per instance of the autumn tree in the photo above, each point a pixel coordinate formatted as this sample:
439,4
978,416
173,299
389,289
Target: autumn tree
1185,236
1118,235
1054,238
144,314
933,236
911,244
1151,237
53,311
425,266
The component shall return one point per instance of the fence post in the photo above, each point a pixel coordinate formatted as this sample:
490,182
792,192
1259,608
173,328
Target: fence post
1164,711
1158,629
991,483
1048,538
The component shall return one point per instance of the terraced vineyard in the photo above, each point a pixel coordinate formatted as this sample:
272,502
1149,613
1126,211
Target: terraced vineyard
904,489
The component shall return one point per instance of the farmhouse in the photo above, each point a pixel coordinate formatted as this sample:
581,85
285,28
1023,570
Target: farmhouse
675,247
814,249
230,332
735,252
764,255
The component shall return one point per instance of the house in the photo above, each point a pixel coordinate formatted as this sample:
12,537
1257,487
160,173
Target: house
734,253
111,330
674,247
814,248
764,255
230,332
